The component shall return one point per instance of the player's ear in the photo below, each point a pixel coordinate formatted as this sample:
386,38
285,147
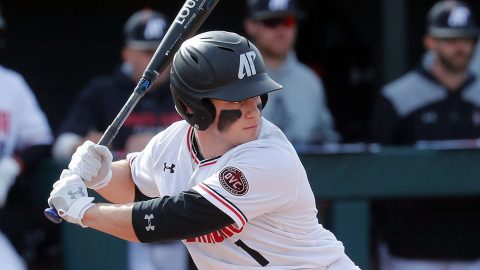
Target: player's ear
126,54
250,27
428,42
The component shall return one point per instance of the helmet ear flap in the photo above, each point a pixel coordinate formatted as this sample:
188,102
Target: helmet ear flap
199,117
264,99
210,107
208,117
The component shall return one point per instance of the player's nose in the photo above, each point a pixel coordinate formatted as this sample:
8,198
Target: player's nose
251,107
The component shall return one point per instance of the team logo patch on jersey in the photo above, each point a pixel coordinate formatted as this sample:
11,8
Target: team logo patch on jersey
233,181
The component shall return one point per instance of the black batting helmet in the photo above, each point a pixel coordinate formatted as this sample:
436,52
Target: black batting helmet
219,65
451,19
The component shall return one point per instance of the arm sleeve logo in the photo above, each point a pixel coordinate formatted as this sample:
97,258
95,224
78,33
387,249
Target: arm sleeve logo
233,181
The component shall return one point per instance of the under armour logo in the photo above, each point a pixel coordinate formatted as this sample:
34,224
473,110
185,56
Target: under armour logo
149,218
278,4
73,195
154,28
165,167
458,17
246,65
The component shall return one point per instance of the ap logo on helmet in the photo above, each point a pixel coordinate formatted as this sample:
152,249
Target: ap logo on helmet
247,67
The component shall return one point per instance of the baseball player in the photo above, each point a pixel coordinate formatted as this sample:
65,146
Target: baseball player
25,138
225,180
438,100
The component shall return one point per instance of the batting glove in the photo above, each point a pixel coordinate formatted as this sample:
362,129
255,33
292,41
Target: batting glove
70,198
93,163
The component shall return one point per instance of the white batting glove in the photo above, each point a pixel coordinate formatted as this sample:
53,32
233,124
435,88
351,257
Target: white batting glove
70,198
93,163
9,170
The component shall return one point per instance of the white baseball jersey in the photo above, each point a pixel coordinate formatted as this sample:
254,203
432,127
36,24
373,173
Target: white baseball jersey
261,185
22,123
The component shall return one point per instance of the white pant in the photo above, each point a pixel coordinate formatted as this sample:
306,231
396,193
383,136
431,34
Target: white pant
389,262
9,258
171,256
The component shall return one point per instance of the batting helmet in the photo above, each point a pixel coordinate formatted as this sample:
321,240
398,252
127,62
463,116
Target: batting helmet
219,65
451,19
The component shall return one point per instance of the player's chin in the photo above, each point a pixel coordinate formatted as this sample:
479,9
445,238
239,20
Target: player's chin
251,133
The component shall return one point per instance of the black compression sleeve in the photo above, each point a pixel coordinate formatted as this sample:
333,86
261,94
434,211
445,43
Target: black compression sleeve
185,215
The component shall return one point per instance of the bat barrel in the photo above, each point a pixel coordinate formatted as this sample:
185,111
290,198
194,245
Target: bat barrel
188,20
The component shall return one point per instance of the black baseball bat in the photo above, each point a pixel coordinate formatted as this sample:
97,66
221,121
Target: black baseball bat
190,17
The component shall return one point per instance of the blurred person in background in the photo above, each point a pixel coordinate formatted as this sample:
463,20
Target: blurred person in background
25,139
100,102
300,111
475,64
440,100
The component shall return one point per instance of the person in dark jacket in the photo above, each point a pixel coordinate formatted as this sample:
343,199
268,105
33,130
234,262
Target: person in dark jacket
440,100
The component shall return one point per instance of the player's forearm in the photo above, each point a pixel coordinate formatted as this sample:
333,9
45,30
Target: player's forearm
121,188
114,219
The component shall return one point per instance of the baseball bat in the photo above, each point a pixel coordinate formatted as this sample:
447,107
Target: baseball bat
190,17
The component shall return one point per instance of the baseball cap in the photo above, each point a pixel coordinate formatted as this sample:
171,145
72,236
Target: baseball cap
451,19
145,29
268,9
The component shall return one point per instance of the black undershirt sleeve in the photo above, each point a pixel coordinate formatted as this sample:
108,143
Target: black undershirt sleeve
182,216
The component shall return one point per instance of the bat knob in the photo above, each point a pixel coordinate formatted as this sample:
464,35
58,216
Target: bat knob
52,215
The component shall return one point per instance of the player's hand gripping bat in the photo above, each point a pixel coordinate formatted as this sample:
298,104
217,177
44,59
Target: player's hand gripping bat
188,20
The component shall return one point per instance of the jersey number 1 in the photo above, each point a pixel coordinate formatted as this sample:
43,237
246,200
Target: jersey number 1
252,252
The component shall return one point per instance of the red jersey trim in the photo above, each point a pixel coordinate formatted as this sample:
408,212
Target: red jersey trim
202,163
208,163
189,144
224,202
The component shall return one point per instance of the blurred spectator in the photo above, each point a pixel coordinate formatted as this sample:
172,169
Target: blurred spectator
475,65
300,110
101,101
439,100
25,138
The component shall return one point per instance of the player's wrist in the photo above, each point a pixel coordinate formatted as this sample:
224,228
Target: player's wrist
77,210
99,184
